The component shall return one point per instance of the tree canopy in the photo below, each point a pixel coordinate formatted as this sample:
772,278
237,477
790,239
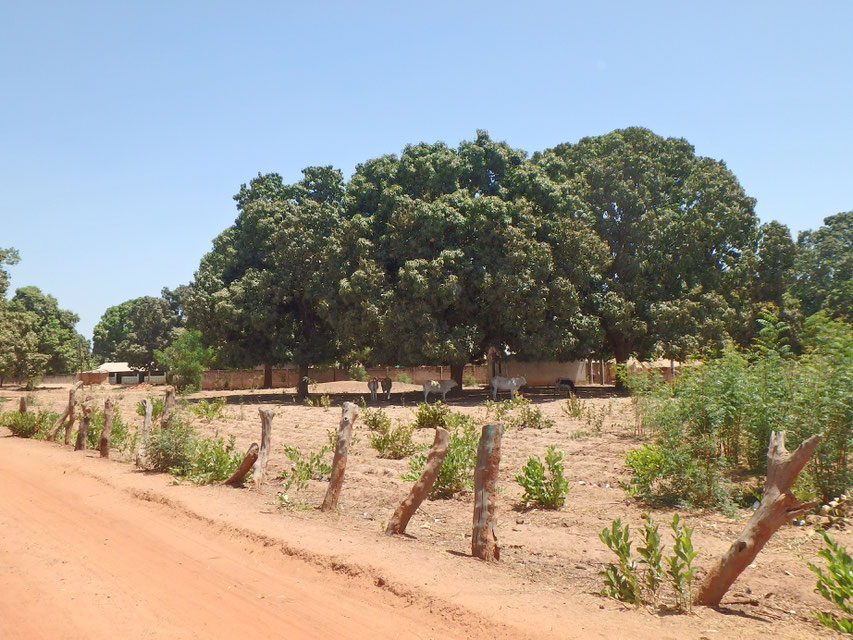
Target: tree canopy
824,268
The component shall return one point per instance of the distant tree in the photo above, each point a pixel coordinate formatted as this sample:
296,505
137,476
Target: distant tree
185,359
110,331
824,268
19,343
151,326
7,257
678,227
177,299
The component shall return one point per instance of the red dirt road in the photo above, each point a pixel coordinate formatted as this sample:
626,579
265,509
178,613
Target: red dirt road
81,559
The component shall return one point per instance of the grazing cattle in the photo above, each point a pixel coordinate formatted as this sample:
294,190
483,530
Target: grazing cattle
373,385
438,386
564,384
386,387
499,383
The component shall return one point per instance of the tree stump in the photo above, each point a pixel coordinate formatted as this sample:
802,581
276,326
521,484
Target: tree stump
84,426
68,414
22,404
168,407
266,433
484,541
107,429
339,463
236,479
778,506
419,492
142,440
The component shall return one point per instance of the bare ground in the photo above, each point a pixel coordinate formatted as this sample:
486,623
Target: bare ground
91,548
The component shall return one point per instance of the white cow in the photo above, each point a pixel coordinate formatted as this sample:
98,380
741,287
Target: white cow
438,386
499,383
373,385
386,387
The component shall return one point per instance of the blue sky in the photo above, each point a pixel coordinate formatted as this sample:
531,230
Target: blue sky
126,128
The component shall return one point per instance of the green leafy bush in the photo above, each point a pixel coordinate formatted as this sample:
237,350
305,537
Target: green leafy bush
835,584
403,377
209,410
29,424
457,470
517,413
430,416
181,451
305,468
157,405
119,436
470,380
391,442
547,490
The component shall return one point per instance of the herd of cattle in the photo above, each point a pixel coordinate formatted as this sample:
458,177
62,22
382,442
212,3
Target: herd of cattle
498,383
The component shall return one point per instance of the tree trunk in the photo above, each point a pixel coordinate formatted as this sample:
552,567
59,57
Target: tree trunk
83,431
302,385
142,440
267,376
416,496
778,507
484,541
456,371
68,414
236,479
168,407
107,429
22,404
266,434
339,464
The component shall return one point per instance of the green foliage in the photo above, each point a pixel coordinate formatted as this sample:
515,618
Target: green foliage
620,579
680,568
119,435
403,377
430,416
213,460
457,470
157,405
181,451
305,468
208,410
470,380
185,359
547,490
358,372
651,555
29,424
151,324
835,583
824,268
393,443
517,413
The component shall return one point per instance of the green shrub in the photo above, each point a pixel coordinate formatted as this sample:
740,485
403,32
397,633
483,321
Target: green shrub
157,405
517,413
375,419
470,380
170,450
305,468
457,470
403,377
393,443
620,580
212,460
209,410
549,490
835,584
30,424
430,416
358,372
119,436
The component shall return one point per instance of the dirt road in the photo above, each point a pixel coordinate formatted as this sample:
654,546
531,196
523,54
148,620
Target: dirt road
81,559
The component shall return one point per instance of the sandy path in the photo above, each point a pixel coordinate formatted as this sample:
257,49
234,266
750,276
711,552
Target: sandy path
79,559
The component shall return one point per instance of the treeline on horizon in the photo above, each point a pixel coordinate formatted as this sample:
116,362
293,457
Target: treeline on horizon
626,244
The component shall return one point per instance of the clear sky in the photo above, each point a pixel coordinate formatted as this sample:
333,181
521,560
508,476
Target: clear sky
126,128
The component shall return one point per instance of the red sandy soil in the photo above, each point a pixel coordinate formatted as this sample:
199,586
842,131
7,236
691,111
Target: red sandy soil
93,548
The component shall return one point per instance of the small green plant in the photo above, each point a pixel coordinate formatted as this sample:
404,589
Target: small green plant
358,372
574,407
29,424
305,468
680,568
835,584
620,579
208,410
457,470
548,491
430,416
470,380
393,443
170,450
157,405
212,460
651,555
403,377
119,434
517,413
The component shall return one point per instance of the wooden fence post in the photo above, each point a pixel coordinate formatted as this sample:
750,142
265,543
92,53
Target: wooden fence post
778,506
484,541
266,433
84,426
249,459
339,463
68,414
22,404
107,429
168,407
416,496
142,440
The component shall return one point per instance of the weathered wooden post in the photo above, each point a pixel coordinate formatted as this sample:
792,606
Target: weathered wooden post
22,404
266,433
68,414
778,506
251,456
106,429
419,492
168,407
484,541
339,463
142,440
84,426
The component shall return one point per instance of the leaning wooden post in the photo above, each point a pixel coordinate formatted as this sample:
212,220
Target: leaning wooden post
266,433
68,414
419,492
142,440
339,463
484,542
84,426
778,506
236,478
107,429
22,404
168,407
